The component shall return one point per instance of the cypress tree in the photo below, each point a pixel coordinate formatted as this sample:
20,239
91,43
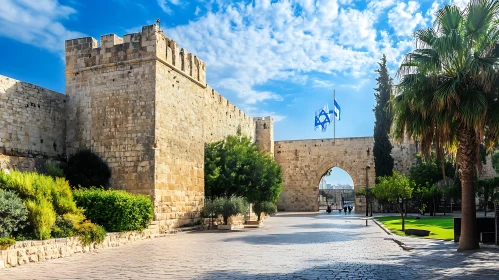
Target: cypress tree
383,159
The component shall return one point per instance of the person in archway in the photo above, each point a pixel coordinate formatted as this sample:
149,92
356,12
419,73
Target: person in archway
349,209
328,209
345,209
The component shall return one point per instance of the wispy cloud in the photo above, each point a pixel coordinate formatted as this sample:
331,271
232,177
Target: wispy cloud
165,5
38,23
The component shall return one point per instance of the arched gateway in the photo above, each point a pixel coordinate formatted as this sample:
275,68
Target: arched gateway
304,162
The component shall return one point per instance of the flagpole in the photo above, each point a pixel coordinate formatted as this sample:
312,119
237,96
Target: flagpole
334,117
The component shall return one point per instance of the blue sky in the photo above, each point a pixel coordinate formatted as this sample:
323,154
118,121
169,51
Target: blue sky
280,58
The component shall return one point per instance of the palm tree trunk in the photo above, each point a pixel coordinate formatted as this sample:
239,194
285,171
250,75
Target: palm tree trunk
467,168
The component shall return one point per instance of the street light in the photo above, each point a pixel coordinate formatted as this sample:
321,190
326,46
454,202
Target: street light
367,190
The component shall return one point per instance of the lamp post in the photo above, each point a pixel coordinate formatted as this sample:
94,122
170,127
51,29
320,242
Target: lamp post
367,190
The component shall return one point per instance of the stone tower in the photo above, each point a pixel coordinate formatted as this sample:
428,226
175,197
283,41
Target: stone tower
143,105
264,134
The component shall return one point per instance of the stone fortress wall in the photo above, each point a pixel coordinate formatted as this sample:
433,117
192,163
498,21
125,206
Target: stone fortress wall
32,120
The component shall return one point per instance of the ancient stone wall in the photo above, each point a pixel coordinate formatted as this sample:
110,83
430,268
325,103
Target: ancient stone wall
111,105
32,120
304,162
23,164
404,155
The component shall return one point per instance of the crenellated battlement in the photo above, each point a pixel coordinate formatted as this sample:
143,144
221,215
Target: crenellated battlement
149,44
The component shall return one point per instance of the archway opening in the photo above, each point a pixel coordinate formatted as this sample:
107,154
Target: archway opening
336,189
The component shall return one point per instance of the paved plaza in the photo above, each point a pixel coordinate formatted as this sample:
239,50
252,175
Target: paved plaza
289,246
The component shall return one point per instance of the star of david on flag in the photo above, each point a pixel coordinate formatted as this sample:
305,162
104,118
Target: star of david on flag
322,119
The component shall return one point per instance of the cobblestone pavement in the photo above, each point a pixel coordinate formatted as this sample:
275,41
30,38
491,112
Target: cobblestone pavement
289,246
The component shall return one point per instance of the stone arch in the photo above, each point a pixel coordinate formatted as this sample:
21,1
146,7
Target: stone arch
305,161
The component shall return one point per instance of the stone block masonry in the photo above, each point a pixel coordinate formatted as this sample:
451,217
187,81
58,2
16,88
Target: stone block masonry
32,120
141,102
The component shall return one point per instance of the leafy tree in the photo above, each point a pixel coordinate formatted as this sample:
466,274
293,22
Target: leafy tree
486,189
383,159
448,94
394,188
86,169
235,167
267,207
426,173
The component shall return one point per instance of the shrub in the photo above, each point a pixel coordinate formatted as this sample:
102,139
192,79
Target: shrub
5,242
42,217
86,169
90,233
227,207
65,225
267,207
44,198
13,213
53,169
115,210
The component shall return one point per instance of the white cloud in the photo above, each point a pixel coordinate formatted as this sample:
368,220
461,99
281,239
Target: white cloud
404,18
165,5
246,45
37,22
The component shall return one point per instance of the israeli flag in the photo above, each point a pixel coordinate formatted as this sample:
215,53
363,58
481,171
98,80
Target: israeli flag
322,118
336,110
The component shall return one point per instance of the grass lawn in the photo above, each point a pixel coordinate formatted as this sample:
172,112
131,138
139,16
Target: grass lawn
439,227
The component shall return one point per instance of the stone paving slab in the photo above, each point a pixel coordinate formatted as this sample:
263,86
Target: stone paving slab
289,246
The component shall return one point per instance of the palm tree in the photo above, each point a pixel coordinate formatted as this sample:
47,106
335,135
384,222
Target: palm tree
448,94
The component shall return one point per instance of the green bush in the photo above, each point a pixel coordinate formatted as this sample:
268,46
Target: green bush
44,198
65,225
5,242
267,207
227,207
86,169
53,169
90,233
115,210
13,213
42,217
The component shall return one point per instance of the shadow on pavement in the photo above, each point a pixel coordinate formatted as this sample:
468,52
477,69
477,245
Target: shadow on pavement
313,237
434,265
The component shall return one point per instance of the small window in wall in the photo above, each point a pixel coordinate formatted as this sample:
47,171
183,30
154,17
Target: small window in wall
264,126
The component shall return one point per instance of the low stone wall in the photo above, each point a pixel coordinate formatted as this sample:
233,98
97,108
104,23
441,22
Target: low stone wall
24,252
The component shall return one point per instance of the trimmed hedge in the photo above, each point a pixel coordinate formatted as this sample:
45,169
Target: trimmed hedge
115,210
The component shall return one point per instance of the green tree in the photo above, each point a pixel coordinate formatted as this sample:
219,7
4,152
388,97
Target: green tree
486,189
394,189
383,160
235,167
448,94
425,174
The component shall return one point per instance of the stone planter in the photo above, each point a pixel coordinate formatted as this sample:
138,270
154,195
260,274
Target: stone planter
226,227
253,224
